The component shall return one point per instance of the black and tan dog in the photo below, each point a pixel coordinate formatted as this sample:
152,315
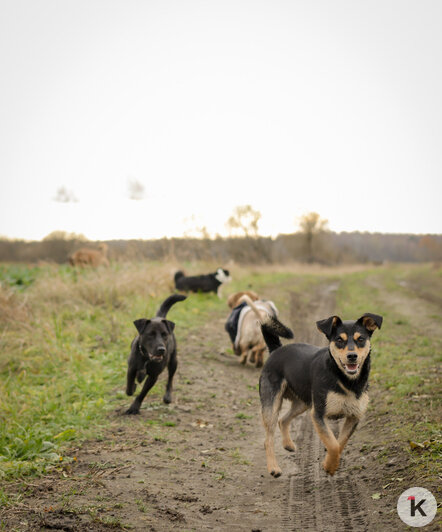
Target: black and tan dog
331,381
152,350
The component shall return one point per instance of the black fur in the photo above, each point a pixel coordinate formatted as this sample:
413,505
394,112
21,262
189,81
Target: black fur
272,330
151,351
200,283
311,372
308,376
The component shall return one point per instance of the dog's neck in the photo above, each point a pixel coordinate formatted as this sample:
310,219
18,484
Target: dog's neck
142,353
358,385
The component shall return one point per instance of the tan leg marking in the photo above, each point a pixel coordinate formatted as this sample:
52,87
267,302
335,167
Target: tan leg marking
259,351
296,408
243,357
333,456
270,419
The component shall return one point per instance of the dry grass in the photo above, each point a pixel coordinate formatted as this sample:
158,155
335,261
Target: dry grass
65,335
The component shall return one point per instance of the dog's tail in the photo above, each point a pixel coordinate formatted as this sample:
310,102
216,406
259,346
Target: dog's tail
167,303
272,329
246,299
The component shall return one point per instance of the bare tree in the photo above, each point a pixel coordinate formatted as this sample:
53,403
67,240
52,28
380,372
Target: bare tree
244,220
312,225
63,195
194,229
136,189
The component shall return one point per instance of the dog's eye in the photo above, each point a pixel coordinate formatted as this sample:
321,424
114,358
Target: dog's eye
339,343
164,335
360,340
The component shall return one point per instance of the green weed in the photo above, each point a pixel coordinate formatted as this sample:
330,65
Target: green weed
403,360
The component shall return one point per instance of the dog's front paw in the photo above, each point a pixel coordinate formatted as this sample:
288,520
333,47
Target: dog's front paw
330,465
130,390
289,446
167,398
275,472
132,411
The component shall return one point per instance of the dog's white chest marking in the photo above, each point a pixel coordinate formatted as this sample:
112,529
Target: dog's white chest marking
346,404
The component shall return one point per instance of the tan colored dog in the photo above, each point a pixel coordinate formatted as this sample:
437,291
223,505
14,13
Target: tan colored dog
250,344
90,257
233,299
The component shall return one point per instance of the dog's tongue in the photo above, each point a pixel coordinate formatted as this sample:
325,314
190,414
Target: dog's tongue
352,367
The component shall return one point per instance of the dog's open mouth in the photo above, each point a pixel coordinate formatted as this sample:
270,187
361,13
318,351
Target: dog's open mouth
351,369
156,358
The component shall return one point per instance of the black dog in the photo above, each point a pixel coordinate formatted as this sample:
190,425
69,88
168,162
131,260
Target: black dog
151,351
202,283
332,381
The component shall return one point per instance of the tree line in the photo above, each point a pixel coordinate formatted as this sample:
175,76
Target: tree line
323,247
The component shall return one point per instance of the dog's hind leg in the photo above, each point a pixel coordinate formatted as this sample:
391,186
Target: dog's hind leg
259,354
244,355
171,369
141,375
347,430
297,407
333,456
271,401
130,381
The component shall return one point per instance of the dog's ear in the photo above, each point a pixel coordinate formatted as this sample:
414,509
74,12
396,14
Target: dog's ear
370,322
326,326
169,325
141,324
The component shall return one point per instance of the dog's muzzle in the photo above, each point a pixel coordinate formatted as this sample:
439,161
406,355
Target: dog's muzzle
351,367
158,356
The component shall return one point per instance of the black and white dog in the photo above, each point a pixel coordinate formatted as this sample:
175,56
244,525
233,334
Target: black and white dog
152,350
202,283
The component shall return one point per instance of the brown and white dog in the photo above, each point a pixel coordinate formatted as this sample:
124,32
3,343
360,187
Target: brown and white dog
233,299
249,342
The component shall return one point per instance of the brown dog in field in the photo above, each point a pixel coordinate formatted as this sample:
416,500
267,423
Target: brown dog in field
233,299
90,257
244,327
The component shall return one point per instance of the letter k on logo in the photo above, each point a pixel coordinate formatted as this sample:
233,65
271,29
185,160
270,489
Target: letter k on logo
415,506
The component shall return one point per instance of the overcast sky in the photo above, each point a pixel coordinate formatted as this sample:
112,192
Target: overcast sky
289,106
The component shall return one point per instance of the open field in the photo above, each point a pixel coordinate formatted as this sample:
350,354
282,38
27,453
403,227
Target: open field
69,459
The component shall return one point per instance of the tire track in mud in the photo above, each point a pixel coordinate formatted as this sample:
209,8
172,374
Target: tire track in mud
315,501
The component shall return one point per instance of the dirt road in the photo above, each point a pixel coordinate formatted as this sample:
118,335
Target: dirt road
199,463
316,501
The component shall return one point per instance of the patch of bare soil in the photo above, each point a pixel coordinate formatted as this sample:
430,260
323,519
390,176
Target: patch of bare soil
199,463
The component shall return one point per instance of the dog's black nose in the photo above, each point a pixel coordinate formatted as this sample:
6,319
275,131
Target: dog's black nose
161,350
352,357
